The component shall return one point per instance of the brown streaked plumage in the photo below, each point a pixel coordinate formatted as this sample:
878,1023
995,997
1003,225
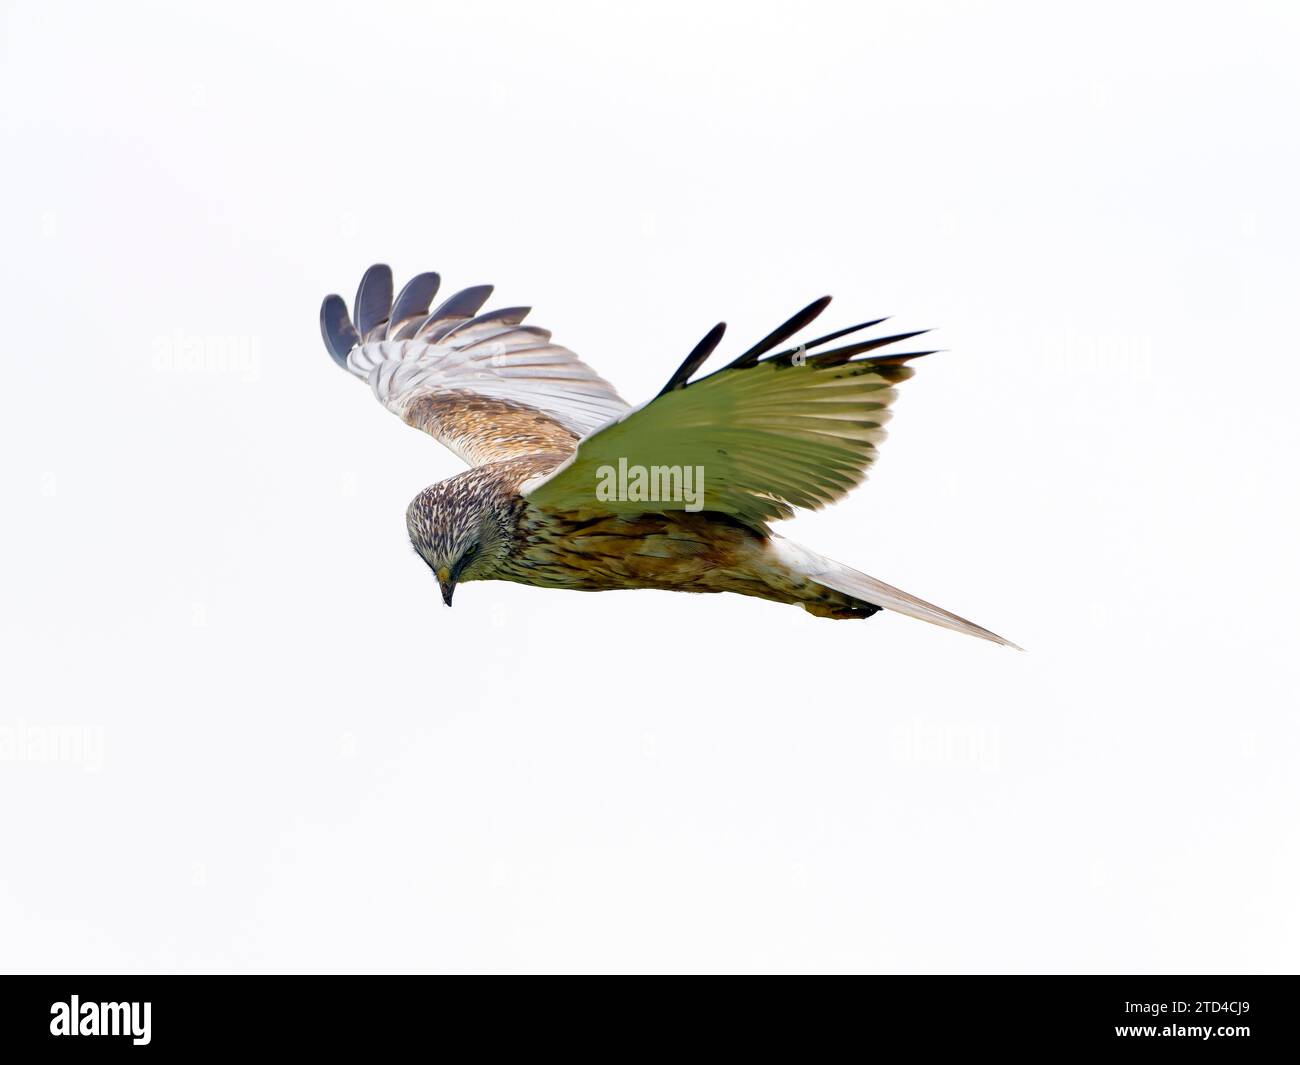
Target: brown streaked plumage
547,440
488,430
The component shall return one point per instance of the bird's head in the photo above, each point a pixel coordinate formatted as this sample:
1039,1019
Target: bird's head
461,529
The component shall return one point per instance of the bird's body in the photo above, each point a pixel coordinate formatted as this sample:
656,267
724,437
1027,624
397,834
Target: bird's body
600,552
571,488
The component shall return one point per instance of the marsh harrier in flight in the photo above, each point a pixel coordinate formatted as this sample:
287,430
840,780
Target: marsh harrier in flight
570,487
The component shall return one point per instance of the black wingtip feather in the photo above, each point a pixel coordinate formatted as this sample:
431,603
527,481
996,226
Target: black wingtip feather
781,333
506,316
337,330
695,359
414,299
844,354
842,333
906,356
463,304
374,298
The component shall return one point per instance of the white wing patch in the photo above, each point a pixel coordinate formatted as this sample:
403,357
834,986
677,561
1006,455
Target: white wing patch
515,365
533,389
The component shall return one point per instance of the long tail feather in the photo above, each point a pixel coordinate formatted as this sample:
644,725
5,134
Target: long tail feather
849,581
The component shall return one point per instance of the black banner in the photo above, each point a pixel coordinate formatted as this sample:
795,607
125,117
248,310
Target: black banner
1215,1015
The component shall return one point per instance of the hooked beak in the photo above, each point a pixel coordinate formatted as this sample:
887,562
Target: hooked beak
447,585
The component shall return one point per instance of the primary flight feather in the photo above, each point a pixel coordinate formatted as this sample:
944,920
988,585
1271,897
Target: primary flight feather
570,487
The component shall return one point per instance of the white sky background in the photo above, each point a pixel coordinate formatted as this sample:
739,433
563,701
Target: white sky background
300,760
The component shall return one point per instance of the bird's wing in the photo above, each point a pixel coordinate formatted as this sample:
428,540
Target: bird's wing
764,435
485,385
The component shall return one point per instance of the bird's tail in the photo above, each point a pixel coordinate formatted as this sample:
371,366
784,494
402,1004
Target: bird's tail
868,590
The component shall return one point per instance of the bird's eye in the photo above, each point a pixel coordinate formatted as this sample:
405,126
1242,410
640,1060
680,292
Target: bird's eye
467,558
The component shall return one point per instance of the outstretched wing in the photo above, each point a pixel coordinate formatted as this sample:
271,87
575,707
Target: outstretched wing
484,384
761,436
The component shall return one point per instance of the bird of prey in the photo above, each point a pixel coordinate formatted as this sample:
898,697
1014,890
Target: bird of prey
571,487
